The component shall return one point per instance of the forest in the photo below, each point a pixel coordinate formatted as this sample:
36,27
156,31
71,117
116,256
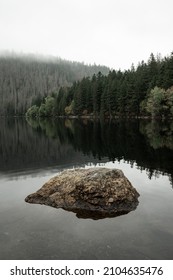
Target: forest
26,79
142,91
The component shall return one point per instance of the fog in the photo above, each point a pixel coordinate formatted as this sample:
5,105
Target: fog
107,32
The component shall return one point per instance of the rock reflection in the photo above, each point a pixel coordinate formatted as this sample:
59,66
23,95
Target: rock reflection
97,215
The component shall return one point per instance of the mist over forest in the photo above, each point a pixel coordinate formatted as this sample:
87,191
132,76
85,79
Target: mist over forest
45,86
26,79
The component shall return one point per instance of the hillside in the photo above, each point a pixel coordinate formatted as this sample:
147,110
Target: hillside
144,91
27,79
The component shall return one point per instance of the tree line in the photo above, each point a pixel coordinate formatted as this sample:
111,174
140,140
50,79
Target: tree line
144,90
27,79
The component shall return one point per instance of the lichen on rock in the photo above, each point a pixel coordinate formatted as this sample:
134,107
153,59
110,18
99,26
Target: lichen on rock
91,193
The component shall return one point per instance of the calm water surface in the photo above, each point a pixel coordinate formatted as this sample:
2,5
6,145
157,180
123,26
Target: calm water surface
31,153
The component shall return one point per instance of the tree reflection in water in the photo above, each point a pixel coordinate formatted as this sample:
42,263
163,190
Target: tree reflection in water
41,143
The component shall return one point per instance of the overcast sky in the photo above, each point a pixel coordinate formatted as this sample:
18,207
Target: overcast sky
115,33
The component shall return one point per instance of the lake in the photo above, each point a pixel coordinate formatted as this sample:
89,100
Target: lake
32,152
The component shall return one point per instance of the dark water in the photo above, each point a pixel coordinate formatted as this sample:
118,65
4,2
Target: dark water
31,153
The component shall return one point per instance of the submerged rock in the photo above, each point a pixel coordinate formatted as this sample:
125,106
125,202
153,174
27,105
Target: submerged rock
94,193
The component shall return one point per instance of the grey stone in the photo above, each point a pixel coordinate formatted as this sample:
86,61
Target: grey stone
91,193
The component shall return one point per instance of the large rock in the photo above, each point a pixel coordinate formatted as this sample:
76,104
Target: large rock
91,193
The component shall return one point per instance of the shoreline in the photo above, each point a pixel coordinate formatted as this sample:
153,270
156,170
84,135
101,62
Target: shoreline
89,117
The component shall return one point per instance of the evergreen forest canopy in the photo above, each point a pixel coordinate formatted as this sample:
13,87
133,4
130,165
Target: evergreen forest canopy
27,79
146,90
